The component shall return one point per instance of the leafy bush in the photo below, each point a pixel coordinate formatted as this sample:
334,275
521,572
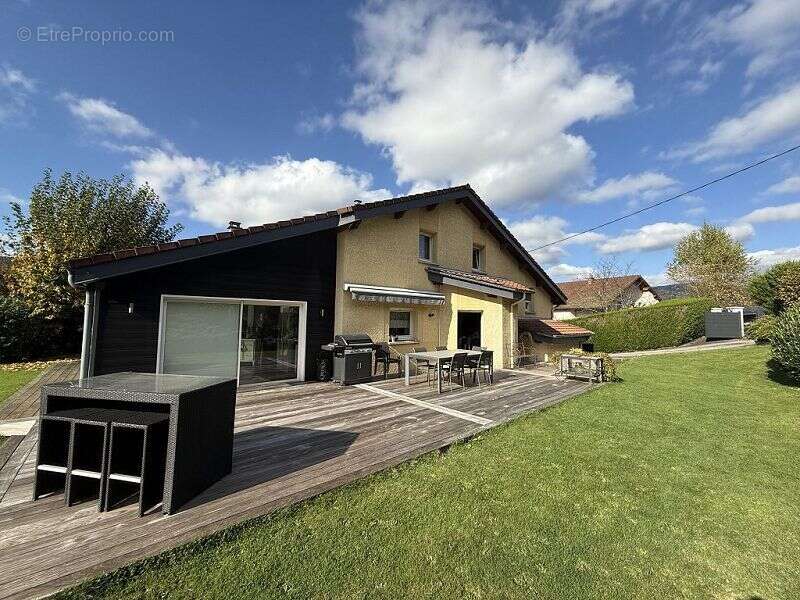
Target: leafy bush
761,329
668,323
24,336
609,364
778,287
786,342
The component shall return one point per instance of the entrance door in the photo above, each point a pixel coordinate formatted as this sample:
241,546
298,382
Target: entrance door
469,330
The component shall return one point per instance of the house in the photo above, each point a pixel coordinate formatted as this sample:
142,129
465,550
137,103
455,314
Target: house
257,303
596,294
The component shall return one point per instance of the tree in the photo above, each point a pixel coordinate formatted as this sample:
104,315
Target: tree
713,265
778,287
74,217
605,290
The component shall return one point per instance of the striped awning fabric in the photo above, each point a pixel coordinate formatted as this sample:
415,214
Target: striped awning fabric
370,293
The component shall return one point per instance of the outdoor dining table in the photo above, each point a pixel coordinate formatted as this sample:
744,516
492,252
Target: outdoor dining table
434,356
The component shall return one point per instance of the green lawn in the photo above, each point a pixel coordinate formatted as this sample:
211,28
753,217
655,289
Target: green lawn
679,482
11,381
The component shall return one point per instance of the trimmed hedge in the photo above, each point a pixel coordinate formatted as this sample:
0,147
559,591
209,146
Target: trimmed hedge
786,342
663,325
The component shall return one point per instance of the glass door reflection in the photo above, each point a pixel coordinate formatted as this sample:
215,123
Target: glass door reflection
270,336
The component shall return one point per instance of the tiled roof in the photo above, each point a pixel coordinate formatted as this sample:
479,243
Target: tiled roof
87,270
483,278
552,328
244,231
588,293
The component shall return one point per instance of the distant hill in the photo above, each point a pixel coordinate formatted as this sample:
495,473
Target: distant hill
673,290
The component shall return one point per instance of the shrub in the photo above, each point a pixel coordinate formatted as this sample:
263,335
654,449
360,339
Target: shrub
609,364
761,329
24,336
786,342
777,287
662,325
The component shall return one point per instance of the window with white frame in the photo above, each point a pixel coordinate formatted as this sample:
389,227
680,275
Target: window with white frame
425,246
478,258
400,325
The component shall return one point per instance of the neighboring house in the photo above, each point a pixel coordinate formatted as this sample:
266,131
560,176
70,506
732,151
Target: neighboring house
593,295
672,291
430,269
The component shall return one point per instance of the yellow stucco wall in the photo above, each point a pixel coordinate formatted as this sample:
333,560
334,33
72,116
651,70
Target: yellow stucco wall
384,251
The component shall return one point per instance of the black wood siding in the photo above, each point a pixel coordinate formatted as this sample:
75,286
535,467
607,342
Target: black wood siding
302,268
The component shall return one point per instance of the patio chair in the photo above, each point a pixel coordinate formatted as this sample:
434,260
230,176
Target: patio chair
455,366
422,363
483,363
383,357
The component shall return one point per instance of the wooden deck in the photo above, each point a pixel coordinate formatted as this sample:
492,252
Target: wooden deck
24,403
291,443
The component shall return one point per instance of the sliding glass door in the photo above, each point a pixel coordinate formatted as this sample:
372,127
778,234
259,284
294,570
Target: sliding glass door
270,340
200,338
256,341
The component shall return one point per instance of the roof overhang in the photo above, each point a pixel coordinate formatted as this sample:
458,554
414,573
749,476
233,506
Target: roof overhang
373,293
136,260
469,284
91,273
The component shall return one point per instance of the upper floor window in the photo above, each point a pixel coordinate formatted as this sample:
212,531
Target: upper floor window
426,246
478,258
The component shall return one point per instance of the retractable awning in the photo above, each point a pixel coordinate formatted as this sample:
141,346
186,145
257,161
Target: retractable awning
371,293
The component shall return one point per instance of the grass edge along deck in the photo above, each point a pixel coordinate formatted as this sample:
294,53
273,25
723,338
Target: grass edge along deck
392,433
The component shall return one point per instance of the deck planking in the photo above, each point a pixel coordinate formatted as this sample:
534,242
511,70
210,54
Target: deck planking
24,403
290,443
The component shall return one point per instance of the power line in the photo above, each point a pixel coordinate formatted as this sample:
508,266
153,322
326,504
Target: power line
660,202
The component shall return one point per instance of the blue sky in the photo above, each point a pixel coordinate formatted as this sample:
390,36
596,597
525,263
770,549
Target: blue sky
561,115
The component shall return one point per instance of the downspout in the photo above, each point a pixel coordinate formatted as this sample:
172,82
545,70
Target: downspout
512,308
86,342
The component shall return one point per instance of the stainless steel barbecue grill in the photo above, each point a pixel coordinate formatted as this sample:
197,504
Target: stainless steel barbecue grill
352,357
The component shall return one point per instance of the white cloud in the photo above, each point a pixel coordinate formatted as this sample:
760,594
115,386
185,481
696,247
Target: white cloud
629,186
281,188
702,78
776,117
784,212
453,96
740,231
101,116
15,91
580,17
767,258
313,124
15,78
565,272
767,30
658,279
540,229
6,196
655,236
790,185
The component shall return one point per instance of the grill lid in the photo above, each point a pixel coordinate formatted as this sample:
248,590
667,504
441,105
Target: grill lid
352,339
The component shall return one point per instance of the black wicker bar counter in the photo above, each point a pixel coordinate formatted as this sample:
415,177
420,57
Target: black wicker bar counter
198,413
